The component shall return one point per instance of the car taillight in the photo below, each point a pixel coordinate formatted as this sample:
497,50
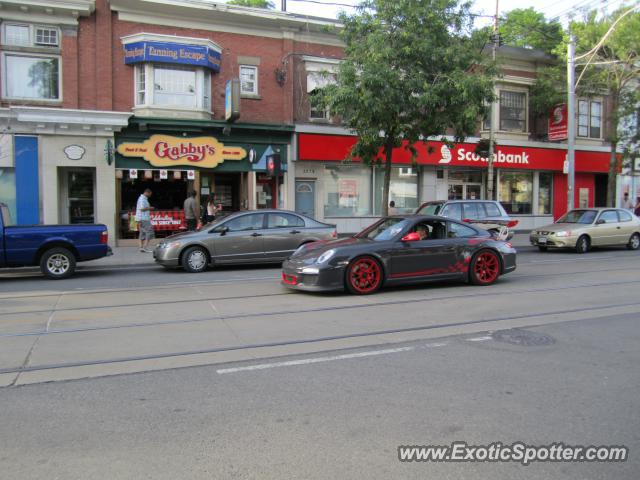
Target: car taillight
512,223
467,220
508,244
334,234
104,237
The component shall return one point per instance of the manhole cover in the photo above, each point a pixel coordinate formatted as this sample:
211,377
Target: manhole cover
523,338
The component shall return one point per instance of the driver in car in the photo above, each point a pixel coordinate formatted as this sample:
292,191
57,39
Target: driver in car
423,231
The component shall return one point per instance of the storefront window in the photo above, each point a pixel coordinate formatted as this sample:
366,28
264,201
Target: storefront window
516,192
347,191
403,189
545,193
8,190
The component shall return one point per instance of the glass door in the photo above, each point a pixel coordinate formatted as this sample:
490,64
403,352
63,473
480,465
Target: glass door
456,191
80,201
472,191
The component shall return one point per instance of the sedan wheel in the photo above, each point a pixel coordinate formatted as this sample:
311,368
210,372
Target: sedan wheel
634,242
195,260
582,245
364,276
485,268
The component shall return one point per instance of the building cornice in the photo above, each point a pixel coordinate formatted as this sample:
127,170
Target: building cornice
61,12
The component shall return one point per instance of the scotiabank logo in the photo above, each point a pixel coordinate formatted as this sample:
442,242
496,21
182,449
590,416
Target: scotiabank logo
166,151
193,153
446,154
499,157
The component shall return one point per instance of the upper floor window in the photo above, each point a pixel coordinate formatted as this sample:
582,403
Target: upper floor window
173,86
589,118
27,35
30,77
513,111
316,81
248,80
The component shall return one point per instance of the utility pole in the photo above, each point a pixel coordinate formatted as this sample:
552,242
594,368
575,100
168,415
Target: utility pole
571,121
284,5
495,41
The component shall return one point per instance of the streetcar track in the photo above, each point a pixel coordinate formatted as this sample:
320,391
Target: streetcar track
306,311
53,366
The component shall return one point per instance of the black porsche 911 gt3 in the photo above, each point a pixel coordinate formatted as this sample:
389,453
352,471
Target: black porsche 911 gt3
400,249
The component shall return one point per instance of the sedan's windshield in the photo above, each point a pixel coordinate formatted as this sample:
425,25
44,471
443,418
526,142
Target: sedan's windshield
578,216
385,229
430,209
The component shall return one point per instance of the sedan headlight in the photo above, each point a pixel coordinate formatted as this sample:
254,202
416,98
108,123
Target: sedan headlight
169,245
326,256
563,234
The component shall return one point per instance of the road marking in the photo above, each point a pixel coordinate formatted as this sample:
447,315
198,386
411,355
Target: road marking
307,361
479,339
434,345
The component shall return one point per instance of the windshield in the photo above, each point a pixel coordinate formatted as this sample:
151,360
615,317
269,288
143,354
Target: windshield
579,216
430,209
385,229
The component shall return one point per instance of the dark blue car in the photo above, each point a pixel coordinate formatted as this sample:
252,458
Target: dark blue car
55,248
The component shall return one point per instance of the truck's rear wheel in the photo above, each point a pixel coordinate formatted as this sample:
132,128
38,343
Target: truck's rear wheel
58,263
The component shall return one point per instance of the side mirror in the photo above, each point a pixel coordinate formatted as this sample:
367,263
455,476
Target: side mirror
221,230
600,222
411,237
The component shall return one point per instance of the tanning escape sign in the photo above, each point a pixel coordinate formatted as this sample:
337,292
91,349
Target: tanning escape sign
166,151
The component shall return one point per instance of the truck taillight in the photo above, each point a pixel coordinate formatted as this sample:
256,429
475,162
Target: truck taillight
334,234
104,237
512,223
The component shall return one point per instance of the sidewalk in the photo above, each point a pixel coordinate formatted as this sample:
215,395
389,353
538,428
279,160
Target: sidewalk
133,257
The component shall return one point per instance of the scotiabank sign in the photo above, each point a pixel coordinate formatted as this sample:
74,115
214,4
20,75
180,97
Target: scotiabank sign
337,147
166,151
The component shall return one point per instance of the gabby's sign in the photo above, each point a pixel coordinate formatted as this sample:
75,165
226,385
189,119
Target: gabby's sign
165,151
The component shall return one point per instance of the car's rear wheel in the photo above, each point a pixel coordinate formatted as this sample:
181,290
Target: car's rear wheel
58,263
364,276
542,249
485,268
195,260
583,244
634,242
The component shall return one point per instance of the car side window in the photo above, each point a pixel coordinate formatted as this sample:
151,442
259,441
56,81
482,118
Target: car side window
609,216
624,216
452,210
492,210
246,222
472,211
460,231
431,230
284,220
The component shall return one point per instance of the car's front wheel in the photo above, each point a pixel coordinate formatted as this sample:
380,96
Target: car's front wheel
583,244
58,263
634,242
364,276
195,260
485,268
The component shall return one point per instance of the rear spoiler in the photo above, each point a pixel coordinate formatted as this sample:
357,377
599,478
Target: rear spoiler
503,223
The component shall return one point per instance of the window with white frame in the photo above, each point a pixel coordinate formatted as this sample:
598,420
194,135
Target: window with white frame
589,118
174,86
248,80
315,82
30,77
513,111
29,35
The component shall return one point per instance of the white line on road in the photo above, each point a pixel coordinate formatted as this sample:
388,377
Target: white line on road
307,361
434,345
479,339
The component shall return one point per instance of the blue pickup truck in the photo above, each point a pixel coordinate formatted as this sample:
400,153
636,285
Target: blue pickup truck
55,248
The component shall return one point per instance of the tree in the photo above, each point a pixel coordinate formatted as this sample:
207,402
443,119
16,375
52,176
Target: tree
411,71
253,3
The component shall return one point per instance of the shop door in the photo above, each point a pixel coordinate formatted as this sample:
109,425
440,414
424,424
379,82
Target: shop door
472,191
77,188
306,197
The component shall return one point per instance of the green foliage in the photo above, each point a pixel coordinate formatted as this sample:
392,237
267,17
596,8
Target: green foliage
253,3
525,27
410,71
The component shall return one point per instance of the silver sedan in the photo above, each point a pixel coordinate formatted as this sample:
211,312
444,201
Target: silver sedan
263,236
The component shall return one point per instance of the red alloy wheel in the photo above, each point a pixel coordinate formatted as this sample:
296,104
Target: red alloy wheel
486,268
364,276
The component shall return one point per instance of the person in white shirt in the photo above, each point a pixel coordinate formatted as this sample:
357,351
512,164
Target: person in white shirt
392,208
143,217
627,204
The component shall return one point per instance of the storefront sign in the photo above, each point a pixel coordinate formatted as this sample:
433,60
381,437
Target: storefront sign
558,122
335,148
166,151
167,52
164,174
74,152
133,173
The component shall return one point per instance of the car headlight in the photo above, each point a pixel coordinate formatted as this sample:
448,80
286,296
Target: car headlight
326,256
310,270
563,234
169,245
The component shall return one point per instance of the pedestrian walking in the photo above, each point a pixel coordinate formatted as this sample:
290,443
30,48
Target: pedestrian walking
392,208
191,211
143,217
211,209
627,204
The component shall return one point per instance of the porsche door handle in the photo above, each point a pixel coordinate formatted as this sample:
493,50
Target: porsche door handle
293,232
256,234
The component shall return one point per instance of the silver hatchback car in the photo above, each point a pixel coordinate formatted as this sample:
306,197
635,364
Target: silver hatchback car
259,236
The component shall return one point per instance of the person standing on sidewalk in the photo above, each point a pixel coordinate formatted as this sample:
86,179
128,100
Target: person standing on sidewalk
627,204
191,211
143,217
392,208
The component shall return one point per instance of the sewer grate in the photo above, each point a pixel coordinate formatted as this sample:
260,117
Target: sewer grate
523,338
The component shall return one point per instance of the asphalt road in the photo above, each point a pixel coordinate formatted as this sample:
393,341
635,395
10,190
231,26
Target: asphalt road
244,379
